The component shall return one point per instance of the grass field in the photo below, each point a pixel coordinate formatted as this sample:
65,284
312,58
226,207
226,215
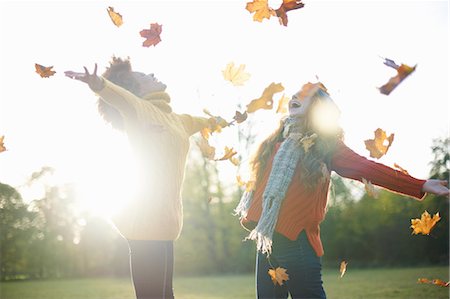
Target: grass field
364,283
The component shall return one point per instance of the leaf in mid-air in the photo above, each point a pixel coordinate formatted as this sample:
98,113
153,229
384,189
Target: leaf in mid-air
436,281
308,141
425,224
283,105
403,71
235,75
151,35
400,168
380,144
286,6
44,71
266,99
343,268
261,9
249,186
2,145
240,117
116,17
229,153
278,275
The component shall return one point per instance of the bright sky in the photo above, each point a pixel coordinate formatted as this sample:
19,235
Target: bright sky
54,122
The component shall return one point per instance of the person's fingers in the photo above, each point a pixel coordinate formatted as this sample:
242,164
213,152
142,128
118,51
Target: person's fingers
86,71
95,70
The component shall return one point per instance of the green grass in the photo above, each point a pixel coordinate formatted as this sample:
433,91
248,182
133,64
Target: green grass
363,283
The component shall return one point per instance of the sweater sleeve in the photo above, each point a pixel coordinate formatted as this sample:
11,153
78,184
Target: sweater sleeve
128,104
193,124
351,165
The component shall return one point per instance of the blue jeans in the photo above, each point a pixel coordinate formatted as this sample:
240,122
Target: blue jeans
303,267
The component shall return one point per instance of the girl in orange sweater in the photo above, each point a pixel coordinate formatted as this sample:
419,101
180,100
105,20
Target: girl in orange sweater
292,171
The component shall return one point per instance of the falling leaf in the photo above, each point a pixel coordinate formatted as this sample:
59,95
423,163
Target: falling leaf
278,275
370,189
229,153
208,151
436,281
308,141
217,124
425,224
44,71
283,105
152,35
343,268
378,146
2,145
403,71
235,75
235,161
116,17
249,186
423,280
240,117
266,99
286,6
400,168
261,9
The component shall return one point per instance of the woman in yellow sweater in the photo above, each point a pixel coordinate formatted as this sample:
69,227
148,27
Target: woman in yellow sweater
138,104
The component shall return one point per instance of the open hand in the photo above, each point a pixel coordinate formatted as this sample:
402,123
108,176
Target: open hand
437,187
95,82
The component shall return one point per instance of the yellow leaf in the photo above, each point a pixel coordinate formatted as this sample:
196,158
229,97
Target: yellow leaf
283,105
235,161
308,141
2,145
425,224
278,275
266,99
249,186
380,144
205,132
370,189
261,9
400,168
229,153
116,17
235,75
207,150
343,268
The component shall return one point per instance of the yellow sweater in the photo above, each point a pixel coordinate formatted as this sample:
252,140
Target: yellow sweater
160,142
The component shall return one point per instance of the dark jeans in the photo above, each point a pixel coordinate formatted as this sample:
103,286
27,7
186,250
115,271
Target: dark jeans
303,267
152,268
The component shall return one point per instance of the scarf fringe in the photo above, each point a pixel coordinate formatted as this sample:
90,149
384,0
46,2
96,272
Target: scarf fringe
244,204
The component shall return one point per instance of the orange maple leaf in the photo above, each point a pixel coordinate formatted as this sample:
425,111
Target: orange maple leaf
278,275
425,224
235,75
152,35
44,71
436,281
266,99
207,150
283,105
370,189
378,146
261,9
403,71
116,17
2,145
286,6
343,268
400,168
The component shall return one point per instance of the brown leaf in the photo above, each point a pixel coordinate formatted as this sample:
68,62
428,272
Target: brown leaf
278,275
261,9
152,35
2,145
240,117
116,17
343,268
44,71
378,146
403,71
425,224
266,99
286,6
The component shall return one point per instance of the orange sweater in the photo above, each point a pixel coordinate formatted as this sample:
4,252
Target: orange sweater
304,210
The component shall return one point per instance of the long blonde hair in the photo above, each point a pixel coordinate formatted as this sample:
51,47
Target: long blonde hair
311,161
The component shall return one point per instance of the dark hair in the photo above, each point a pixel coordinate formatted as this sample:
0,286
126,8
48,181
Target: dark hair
119,72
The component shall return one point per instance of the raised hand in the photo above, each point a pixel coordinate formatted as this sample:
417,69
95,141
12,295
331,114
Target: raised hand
437,187
95,82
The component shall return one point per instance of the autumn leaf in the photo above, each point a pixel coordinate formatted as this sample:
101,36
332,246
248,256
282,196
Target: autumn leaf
425,224
283,105
286,6
266,99
278,275
152,35
217,123
2,145
235,75
308,141
116,17
249,186
261,9
44,71
343,268
380,144
400,168
403,71
423,280
370,189
234,160
229,153
436,281
207,151
240,117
